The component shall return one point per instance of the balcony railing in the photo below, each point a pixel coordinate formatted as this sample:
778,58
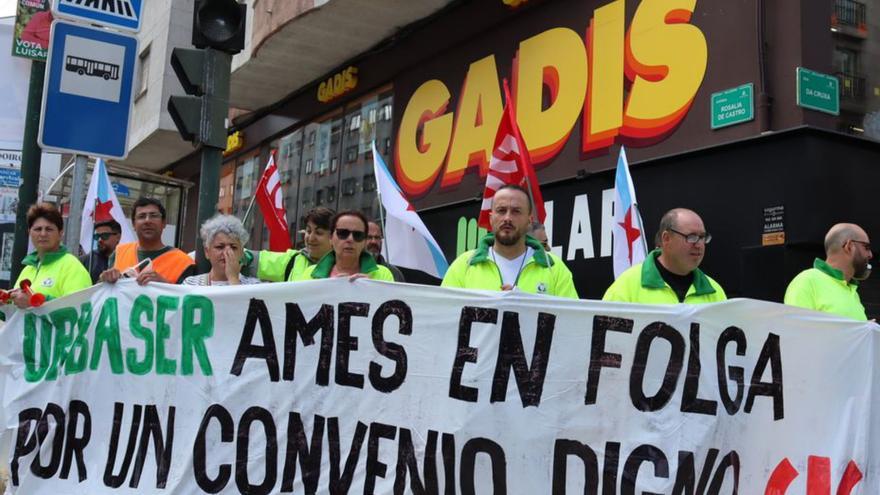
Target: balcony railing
850,13
852,86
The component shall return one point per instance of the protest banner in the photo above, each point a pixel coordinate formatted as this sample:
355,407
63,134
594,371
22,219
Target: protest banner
366,387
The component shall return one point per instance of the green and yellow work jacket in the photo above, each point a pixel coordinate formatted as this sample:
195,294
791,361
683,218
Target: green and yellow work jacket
823,288
643,284
286,266
543,273
369,267
57,274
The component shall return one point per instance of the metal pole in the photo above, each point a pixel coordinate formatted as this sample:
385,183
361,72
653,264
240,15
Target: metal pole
30,166
77,198
209,192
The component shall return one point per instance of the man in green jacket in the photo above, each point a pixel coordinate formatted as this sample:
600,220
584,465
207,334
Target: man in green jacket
508,258
832,285
671,274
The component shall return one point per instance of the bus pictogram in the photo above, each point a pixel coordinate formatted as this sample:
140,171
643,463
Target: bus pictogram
88,67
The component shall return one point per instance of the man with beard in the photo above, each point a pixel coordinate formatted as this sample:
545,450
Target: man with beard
106,237
670,274
167,264
374,247
832,285
507,258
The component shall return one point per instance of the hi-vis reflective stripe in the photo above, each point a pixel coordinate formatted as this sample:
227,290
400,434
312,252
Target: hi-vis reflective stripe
118,8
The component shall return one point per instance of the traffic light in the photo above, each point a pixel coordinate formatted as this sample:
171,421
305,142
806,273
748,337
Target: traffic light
219,24
201,116
204,72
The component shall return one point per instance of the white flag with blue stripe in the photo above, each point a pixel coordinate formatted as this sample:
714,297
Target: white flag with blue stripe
629,235
408,243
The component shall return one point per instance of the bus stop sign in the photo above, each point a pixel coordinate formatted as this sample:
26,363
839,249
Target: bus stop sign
87,96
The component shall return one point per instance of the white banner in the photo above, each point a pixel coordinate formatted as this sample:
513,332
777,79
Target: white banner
368,387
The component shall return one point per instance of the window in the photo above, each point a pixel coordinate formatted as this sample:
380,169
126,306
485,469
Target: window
331,194
309,164
319,197
334,164
322,168
369,183
312,137
386,111
355,123
349,186
143,72
351,154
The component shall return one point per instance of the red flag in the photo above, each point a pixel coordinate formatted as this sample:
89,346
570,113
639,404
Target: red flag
269,198
510,164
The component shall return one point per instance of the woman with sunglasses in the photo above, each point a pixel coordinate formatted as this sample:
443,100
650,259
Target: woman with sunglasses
51,269
348,257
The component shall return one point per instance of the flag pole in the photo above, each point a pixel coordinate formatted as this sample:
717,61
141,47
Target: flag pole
641,227
250,208
381,206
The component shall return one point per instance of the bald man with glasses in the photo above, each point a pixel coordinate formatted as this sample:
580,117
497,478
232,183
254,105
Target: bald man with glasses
670,274
831,286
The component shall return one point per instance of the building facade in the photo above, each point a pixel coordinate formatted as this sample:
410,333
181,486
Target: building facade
587,77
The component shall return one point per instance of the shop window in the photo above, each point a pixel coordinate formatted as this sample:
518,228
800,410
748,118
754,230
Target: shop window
349,186
369,183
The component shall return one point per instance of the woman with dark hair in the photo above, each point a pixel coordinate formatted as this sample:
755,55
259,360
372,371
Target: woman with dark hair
291,264
348,257
51,269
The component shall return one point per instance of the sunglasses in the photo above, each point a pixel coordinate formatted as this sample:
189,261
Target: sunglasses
104,235
357,235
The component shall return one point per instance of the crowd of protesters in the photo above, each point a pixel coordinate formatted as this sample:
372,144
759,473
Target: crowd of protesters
515,255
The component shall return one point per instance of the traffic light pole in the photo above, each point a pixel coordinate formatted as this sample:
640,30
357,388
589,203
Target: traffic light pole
31,156
217,74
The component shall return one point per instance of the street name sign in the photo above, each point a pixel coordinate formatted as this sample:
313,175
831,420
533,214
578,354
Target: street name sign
818,91
733,106
117,14
87,97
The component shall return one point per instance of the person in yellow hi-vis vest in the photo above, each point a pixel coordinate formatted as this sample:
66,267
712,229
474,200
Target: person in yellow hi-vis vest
831,286
508,258
51,269
289,265
670,274
167,264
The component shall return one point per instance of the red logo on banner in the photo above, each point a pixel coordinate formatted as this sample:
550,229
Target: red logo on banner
818,477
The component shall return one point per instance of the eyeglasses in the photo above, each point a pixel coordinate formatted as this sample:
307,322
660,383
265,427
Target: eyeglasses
104,235
151,216
357,235
863,243
694,238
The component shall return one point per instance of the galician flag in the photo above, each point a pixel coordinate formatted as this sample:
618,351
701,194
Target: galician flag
629,235
102,205
408,243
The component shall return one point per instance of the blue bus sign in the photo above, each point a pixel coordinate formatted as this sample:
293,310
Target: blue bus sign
87,97
117,14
